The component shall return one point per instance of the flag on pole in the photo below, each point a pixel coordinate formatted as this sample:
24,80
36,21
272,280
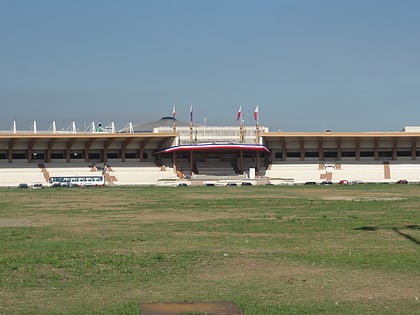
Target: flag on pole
191,114
238,116
256,113
173,112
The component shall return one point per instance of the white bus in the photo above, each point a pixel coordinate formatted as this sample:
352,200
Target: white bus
78,180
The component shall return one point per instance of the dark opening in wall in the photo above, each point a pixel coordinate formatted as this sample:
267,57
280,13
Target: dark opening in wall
367,154
348,154
293,154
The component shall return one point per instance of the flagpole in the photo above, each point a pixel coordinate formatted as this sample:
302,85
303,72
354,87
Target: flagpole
238,117
174,119
257,134
242,129
191,124
257,126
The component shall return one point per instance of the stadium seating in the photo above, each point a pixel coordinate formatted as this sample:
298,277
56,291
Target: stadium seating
149,173
11,175
298,172
375,172
141,174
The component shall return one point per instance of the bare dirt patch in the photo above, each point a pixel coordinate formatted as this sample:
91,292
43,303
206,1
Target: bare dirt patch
8,222
353,198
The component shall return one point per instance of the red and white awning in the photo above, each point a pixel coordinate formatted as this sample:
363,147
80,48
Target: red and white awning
215,147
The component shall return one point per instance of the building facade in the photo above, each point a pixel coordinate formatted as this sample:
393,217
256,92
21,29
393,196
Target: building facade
391,154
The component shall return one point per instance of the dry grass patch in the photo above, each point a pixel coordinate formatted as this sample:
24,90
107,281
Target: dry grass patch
312,283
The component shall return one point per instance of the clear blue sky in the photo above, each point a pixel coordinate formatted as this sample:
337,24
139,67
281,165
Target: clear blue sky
309,65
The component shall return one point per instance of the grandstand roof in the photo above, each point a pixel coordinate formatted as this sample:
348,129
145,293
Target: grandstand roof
269,138
150,140
215,147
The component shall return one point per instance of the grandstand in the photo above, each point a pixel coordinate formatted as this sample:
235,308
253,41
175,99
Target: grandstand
169,152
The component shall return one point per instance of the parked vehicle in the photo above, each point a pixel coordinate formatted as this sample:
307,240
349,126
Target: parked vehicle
326,182
36,186
79,181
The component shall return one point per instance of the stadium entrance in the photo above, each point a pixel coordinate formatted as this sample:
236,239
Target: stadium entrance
205,161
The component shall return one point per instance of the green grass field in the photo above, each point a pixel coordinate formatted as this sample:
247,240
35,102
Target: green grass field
271,250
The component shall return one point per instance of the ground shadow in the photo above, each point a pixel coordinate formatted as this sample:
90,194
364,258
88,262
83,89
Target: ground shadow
407,236
366,228
396,230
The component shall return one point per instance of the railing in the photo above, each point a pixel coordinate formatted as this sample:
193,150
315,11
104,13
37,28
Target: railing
72,128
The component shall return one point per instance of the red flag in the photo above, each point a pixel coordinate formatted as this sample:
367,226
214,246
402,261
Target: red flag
256,113
238,116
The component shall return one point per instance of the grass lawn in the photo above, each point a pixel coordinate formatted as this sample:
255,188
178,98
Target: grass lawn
270,250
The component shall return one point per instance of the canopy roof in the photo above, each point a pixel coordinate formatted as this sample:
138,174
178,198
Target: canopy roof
150,141
215,147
